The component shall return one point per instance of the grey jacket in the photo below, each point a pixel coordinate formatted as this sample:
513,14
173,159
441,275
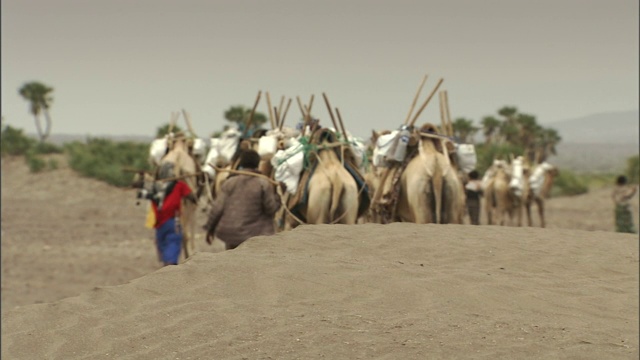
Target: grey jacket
244,208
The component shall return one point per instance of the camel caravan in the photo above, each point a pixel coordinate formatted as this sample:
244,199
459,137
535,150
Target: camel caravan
514,185
325,175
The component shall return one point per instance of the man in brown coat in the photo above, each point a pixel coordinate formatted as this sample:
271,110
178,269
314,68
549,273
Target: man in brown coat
245,206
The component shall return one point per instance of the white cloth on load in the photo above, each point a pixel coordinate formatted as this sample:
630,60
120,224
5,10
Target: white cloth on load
212,156
267,145
517,176
536,180
384,148
222,149
157,150
199,148
466,156
288,165
359,150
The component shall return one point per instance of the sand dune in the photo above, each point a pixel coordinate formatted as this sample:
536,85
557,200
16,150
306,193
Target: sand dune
368,291
399,291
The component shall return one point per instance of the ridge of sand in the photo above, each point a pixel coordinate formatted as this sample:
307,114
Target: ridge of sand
366,291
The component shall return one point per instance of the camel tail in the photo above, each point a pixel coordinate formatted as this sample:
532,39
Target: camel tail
336,193
437,181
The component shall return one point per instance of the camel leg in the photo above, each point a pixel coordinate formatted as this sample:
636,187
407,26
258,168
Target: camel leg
528,208
318,204
488,205
187,222
420,206
349,204
540,203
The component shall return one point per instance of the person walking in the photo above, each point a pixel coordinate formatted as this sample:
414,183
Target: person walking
622,195
166,209
473,191
245,207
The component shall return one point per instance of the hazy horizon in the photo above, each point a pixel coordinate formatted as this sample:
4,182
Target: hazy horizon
121,67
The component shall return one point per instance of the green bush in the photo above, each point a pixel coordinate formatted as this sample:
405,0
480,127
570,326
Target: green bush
35,162
568,183
14,142
52,164
633,169
105,160
47,148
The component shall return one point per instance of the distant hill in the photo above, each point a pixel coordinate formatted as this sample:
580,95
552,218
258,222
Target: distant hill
603,128
594,158
598,143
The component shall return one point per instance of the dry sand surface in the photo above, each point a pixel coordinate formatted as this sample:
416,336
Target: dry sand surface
80,280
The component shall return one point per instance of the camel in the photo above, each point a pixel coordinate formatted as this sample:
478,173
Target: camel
179,163
506,188
430,190
328,192
519,185
176,164
498,203
427,190
541,181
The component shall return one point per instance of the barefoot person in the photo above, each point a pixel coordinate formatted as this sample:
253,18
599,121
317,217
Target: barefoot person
622,195
246,206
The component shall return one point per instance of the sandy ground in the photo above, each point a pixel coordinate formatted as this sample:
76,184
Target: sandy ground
80,280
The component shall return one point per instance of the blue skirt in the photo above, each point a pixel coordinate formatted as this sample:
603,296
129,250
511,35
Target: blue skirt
169,242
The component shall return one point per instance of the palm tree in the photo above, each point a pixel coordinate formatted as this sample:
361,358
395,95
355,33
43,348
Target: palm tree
489,127
39,97
240,114
508,112
164,130
464,129
547,141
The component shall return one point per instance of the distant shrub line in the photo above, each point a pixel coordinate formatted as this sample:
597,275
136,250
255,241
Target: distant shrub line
97,158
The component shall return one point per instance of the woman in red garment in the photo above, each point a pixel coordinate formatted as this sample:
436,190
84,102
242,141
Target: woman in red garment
168,232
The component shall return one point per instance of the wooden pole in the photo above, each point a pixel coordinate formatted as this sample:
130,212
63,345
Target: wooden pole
443,121
333,120
250,119
280,111
310,104
271,118
415,118
446,106
172,122
277,115
233,171
344,132
284,116
187,119
415,99
304,114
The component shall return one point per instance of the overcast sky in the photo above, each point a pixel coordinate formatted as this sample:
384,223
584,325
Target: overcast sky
122,66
